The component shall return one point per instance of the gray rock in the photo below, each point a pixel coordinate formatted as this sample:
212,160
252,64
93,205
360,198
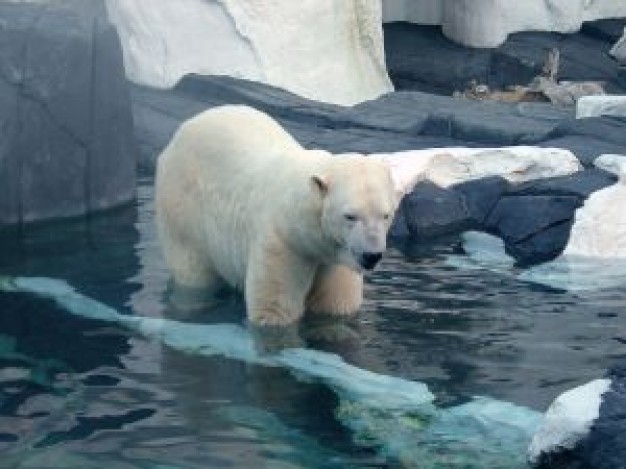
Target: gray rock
413,120
605,446
9,171
113,150
398,121
431,211
610,129
481,196
534,228
586,147
67,122
581,184
608,30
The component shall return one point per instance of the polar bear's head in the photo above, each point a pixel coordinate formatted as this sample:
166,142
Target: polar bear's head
358,205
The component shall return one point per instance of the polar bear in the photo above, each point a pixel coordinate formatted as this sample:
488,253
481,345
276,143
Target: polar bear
240,202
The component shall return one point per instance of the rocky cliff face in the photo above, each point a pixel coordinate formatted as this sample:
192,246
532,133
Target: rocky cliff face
65,118
328,51
487,23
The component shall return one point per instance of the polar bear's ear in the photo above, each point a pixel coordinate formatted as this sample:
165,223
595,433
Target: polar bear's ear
320,183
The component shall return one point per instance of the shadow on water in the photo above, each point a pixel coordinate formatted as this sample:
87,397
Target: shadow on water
81,393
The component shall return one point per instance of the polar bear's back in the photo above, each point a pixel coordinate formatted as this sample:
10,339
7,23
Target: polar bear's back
222,171
232,139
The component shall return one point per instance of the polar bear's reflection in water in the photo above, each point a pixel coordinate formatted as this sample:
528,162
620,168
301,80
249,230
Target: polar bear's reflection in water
327,332
214,393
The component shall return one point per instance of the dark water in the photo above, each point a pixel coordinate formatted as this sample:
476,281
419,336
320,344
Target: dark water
76,393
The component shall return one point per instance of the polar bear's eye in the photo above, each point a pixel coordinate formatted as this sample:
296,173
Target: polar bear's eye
386,216
350,216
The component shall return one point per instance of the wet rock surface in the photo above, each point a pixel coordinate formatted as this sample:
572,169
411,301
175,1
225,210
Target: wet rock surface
67,147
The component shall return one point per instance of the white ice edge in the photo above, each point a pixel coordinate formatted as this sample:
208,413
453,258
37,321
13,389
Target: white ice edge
569,418
570,273
447,166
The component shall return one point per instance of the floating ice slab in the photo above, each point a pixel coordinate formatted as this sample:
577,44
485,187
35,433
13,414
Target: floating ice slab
395,414
569,419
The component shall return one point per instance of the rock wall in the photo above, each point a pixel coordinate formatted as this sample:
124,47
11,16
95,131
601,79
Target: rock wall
487,23
328,51
604,105
65,117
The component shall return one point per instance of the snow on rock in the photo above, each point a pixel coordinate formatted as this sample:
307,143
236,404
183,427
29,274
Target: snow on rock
328,51
449,166
599,229
568,419
604,105
487,23
595,255
619,49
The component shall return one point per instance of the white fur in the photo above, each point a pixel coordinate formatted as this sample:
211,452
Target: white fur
240,202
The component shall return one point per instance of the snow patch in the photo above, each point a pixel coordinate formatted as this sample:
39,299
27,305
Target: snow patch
328,51
601,105
449,166
568,419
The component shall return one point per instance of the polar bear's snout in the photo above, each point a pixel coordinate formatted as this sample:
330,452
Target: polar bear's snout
367,241
368,260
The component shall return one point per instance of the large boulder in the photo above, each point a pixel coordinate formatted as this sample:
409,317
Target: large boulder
329,51
67,129
487,23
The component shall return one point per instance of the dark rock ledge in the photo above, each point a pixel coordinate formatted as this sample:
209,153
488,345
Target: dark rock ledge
533,218
67,143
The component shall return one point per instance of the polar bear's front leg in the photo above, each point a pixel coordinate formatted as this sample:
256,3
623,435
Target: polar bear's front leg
336,290
277,282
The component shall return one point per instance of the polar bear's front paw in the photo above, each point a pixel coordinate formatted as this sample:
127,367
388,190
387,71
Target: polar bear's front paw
336,290
338,305
274,316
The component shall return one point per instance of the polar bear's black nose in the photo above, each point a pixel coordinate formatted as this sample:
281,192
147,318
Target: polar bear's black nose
370,259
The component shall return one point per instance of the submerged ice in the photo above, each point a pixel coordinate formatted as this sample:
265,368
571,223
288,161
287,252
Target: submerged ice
569,272
396,415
